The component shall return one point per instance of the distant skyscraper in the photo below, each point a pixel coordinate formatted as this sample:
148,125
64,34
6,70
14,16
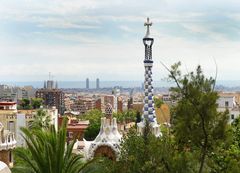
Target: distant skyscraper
97,83
87,83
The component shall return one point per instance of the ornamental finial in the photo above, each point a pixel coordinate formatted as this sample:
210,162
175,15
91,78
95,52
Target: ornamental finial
148,24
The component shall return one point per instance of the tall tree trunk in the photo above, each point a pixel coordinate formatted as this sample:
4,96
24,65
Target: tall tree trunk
204,146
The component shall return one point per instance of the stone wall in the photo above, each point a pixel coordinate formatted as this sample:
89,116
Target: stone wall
4,156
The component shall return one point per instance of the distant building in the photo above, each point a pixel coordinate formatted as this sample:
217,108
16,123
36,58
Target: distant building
119,104
84,104
109,99
98,104
227,101
12,119
75,128
87,83
52,96
12,93
137,106
97,83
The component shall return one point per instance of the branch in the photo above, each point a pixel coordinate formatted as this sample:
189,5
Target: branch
171,73
216,74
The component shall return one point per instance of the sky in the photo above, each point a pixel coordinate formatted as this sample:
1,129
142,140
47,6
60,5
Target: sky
76,39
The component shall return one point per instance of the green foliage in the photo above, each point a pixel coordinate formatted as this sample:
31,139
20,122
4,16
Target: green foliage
36,103
138,117
94,117
48,152
226,158
147,153
197,125
41,120
25,104
19,163
157,102
126,116
92,131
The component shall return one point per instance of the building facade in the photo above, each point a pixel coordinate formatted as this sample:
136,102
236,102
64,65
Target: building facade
52,96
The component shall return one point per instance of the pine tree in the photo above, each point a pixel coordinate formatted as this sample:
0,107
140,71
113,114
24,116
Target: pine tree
197,125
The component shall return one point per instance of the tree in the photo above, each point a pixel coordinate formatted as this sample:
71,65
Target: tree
94,117
25,104
41,120
138,117
197,125
158,102
48,152
36,102
126,116
226,158
147,153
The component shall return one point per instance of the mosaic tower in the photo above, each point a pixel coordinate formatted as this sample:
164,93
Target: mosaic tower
148,109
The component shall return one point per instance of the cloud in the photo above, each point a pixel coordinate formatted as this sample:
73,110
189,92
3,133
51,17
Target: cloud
103,38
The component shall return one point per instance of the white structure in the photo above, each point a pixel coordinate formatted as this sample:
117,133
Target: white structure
4,168
107,142
148,109
229,102
226,102
8,106
7,144
53,113
7,139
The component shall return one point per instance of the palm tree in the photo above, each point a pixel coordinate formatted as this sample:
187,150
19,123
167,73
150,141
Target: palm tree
48,152
41,120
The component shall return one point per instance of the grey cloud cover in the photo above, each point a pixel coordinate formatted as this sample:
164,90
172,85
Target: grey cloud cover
78,39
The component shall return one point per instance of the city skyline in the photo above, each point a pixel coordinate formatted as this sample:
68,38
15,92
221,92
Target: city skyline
75,40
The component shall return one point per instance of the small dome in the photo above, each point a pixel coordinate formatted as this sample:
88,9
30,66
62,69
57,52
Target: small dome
108,110
4,168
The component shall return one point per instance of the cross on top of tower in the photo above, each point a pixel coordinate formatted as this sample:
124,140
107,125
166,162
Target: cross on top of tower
148,24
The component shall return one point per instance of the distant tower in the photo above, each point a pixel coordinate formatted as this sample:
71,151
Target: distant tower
148,109
50,84
45,85
97,83
56,85
87,83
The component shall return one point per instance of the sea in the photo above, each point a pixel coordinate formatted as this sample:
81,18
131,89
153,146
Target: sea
111,84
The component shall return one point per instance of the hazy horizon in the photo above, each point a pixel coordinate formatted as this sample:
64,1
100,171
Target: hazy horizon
108,84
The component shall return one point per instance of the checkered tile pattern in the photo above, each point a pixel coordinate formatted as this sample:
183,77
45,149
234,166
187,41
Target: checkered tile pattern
148,109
